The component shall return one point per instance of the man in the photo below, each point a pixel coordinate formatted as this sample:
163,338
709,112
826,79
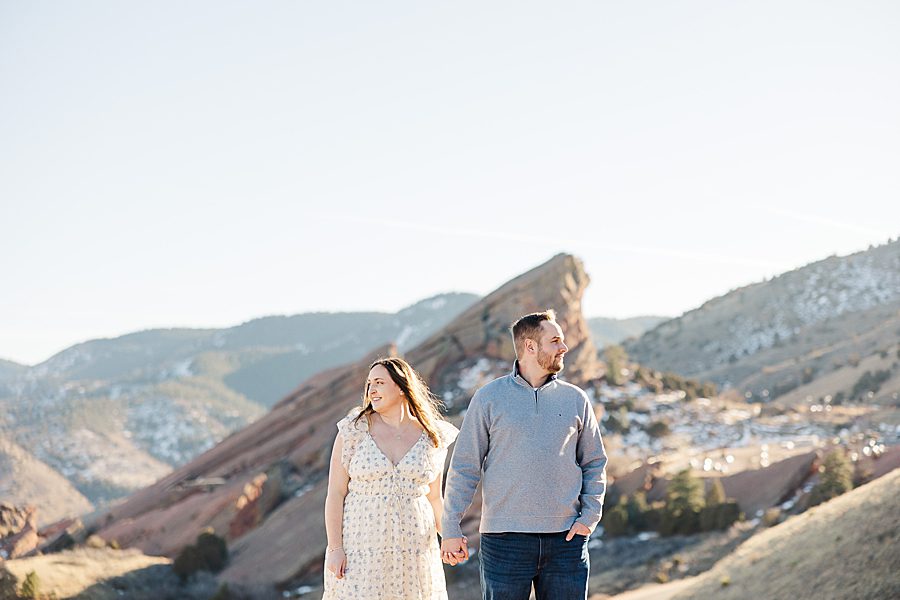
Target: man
534,443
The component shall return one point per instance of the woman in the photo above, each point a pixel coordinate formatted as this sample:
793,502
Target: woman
384,499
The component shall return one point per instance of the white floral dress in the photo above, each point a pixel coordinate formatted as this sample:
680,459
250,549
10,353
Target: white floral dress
389,533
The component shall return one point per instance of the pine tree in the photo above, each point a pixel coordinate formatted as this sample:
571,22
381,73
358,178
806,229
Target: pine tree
213,549
835,479
637,511
31,587
188,562
616,359
684,501
210,553
685,493
716,493
615,521
223,593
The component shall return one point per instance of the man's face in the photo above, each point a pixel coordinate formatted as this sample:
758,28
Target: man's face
551,347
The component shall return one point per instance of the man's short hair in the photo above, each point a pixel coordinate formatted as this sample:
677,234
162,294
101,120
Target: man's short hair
529,326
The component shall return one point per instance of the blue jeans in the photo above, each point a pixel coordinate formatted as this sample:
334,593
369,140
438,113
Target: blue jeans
512,562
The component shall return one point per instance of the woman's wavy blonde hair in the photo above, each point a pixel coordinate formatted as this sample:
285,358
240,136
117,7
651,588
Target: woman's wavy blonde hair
423,405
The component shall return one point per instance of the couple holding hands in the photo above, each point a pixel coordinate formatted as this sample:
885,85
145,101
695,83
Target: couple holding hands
531,439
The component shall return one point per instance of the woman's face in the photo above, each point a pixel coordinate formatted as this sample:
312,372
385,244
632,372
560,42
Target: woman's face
384,394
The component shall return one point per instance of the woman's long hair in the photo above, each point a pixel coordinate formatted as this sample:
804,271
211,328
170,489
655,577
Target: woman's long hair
423,405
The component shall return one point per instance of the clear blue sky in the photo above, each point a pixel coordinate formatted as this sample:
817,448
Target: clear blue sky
204,163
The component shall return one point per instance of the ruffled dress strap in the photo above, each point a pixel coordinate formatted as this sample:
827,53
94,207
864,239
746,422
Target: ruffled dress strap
351,434
447,433
437,455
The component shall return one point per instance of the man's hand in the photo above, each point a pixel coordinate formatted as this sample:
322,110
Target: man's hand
454,550
578,529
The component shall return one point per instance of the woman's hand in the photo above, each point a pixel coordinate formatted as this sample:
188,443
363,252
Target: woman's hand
336,562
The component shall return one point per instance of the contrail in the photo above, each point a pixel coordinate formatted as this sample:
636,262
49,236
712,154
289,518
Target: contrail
469,232
819,220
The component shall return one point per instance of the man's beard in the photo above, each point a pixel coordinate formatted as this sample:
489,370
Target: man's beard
549,362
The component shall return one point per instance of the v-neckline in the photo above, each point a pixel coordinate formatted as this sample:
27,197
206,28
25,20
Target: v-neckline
388,458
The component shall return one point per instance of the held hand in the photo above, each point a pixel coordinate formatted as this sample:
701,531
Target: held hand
578,529
336,562
454,550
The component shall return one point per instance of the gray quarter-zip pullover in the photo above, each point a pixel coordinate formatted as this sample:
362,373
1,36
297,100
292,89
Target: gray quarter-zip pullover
538,454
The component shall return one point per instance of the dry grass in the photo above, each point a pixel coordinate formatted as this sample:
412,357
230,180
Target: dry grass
651,591
845,548
70,573
624,564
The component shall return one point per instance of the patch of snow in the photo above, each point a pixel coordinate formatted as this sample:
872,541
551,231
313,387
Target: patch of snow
302,490
183,368
475,376
405,335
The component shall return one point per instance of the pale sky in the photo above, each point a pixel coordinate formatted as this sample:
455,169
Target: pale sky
204,163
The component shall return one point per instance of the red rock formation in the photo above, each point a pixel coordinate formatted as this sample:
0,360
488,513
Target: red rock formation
755,489
483,330
640,479
13,519
61,535
18,530
873,467
232,486
758,489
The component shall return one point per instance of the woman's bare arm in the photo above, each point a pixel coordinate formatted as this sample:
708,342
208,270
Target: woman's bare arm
436,498
338,479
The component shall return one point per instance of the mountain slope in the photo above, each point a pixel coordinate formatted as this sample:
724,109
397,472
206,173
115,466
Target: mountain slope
770,337
845,548
283,349
24,480
9,369
317,342
607,331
